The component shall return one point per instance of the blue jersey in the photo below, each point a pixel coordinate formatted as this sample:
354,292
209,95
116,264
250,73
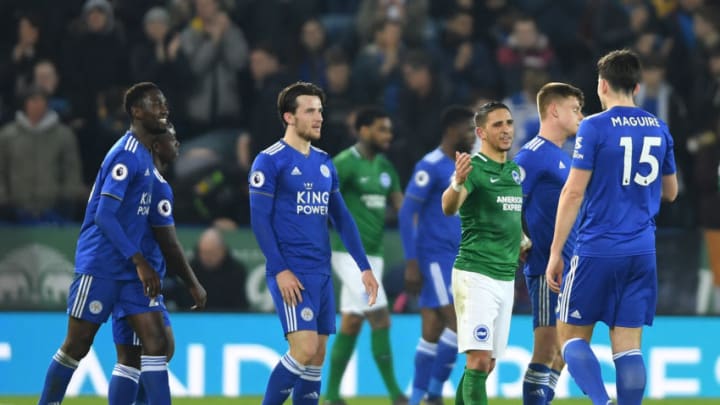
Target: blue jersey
299,188
544,167
437,233
125,175
160,215
628,151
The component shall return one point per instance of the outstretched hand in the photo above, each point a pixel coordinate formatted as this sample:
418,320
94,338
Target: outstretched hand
371,285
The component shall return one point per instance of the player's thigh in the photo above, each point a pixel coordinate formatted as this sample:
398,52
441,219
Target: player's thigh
542,299
145,316
505,293
129,355
477,306
91,298
432,324
170,341
638,291
588,292
625,339
436,290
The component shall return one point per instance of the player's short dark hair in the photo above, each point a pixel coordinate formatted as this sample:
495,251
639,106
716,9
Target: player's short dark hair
455,115
485,109
367,115
287,99
554,91
621,69
135,93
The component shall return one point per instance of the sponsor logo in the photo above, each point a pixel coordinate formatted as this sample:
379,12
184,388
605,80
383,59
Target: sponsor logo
575,314
119,172
561,165
144,204
494,180
257,179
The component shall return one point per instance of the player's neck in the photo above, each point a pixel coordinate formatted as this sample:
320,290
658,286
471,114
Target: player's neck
296,142
619,101
448,150
552,134
366,151
493,154
145,138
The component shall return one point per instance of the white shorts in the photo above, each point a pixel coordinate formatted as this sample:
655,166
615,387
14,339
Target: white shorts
353,298
484,309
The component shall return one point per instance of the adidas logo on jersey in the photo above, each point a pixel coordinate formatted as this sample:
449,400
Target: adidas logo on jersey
312,395
538,392
147,172
575,314
295,171
561,165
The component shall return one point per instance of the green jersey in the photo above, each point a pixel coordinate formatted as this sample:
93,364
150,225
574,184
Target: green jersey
491,219
365,185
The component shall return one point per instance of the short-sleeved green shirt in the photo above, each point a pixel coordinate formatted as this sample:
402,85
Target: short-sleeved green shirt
491,219
365,185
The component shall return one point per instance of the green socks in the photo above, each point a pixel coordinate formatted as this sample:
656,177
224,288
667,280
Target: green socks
380,344
459,391
473,387
339,357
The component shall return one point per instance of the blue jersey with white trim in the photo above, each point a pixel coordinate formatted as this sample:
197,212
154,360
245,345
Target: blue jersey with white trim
299,188
161,214
544,168
437,233
126,174
628,151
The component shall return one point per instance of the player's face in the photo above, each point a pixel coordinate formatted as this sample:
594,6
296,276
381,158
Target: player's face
155,112
465,137
569,113
307,118
380,134
167,147
498,131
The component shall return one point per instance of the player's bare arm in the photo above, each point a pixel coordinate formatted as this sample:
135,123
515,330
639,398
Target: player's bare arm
571,198
147,275
371,285
455,194
172,251
290,287
669,187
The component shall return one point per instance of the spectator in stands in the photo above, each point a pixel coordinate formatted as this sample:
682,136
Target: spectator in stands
40,173
526,47
411,15
339,103
523,105
217,51
310,61
223,276
45,76
157,58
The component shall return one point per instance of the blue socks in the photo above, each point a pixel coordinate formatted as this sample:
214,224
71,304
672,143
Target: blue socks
630,376
585,369
123,385
536,384
57,378
425,354
141,398
552,383
155,379
307,387
447,352
282,380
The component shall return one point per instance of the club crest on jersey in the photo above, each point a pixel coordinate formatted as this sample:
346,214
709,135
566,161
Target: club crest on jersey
385,180
164,208
422,178
119,172
324,170
481,333
307,314
517,176
257,179
95,307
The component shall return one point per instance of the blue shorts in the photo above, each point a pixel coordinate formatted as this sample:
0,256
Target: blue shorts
93,299
315,312
123,333
619,291
543,300
436,288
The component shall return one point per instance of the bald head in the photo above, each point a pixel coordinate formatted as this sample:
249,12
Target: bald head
211,249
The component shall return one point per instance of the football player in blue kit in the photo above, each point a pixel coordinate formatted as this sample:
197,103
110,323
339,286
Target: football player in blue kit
430,241
111,273
160,246
293,192
623,165
544,167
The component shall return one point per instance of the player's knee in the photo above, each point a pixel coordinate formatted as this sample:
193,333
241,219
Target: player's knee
351,324
305,352
480,360
77,345
155,345
379,319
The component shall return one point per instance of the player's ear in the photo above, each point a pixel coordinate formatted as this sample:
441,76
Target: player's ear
289,119
636,89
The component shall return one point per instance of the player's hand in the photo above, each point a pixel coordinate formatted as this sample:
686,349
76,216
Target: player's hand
199,295
290,287
525,246
147,275
554,272
413,278
371,286
462,167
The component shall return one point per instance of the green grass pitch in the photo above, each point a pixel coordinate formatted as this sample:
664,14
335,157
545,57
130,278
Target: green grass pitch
350,401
